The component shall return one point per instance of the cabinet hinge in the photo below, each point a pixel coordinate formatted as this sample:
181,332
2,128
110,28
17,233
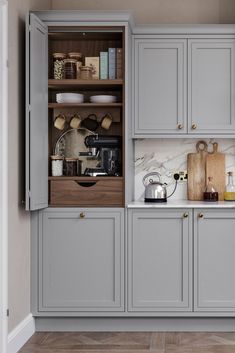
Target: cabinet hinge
29,194
30,28
29,107
8,312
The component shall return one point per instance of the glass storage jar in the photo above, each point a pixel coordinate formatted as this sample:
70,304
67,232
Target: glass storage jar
70,69
86,73
78,58
57,165
58,65
71,166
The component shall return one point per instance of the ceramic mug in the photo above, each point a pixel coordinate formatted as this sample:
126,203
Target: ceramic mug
106,121
75,122
59,122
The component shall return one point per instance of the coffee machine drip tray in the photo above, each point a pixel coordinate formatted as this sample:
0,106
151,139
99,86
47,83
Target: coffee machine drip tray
93,172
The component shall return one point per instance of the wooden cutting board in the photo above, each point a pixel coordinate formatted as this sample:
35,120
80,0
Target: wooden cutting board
215,168
196,165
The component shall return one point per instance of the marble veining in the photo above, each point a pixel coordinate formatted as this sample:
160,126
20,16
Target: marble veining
169,155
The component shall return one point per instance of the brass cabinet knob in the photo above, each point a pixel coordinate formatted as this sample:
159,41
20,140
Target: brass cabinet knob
180,126
200,215
82,215
185,215
194,126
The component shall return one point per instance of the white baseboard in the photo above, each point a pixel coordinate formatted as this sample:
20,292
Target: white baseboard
20,335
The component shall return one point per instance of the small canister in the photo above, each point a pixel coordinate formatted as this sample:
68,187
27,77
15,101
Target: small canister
57,165
86,73
71,166
78,58
58,65
70,69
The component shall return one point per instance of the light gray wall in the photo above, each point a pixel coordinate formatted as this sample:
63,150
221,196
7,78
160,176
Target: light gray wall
161,11
19,221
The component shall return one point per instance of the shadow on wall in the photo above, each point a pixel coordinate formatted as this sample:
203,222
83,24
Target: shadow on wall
21,130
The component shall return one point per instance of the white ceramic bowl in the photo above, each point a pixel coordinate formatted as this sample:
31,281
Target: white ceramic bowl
103,99
69,98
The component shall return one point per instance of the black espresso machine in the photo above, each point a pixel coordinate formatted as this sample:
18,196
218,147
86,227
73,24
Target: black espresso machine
107,149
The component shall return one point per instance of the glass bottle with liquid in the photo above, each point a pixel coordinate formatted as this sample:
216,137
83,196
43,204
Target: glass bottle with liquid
229,194
210,193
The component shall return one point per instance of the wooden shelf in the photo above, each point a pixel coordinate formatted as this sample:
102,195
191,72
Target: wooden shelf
84,178
71,105
67,84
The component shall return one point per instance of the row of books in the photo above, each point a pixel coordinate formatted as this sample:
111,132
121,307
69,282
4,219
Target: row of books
109,65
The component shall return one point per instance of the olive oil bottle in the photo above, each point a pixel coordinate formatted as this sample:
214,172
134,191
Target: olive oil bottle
229,194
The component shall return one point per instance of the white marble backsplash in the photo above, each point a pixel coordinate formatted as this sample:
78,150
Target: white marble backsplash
169,155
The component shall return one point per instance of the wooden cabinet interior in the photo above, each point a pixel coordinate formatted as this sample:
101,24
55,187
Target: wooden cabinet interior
89,41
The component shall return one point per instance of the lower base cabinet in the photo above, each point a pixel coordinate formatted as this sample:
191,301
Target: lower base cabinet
81,260
214,260
160,260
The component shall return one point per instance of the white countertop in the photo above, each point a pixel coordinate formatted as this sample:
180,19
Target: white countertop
182,204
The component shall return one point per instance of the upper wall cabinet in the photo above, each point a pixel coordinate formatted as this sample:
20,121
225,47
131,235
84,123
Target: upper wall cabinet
160,86
211,85
178,94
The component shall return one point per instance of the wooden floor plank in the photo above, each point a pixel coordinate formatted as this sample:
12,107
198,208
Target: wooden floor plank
131,342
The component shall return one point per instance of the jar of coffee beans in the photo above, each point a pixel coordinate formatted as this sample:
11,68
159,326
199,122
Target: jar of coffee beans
71,166
70,70
58,65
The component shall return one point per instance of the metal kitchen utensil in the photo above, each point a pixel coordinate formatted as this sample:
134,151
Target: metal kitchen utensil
155,191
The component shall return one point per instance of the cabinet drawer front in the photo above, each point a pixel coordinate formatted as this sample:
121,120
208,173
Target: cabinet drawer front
75,193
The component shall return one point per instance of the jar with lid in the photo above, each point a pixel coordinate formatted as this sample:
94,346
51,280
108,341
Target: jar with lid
57,165
58,65
229,194
71,166
78,58
70,69
86,73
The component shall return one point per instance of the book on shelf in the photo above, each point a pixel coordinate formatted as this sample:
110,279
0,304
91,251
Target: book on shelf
103,65
94,62
119,65
112,63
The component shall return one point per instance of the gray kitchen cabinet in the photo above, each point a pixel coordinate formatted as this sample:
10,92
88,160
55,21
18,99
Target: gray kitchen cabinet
81,264
211,86
159,260
160,86
214,267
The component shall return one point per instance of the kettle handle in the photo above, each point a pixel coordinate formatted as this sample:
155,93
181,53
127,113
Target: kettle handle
150,174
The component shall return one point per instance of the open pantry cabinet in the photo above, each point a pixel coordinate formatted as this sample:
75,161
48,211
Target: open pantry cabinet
43,139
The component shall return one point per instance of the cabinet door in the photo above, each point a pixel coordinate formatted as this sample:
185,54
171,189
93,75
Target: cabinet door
36,115
81,260
211,86
159,260
214,244
160,86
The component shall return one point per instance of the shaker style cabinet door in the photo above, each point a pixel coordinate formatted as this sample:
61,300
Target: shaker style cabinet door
159,260
214,267
36,115
81,260
160,84
211,86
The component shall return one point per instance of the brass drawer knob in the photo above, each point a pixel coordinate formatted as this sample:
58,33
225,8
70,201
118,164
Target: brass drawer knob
194,126
200,215
180,126
185,215
82,215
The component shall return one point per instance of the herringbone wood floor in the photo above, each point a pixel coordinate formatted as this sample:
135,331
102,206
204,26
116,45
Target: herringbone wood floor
131,342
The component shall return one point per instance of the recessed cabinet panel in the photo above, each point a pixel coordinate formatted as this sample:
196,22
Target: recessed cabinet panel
160,86
214,245
159,260
81,261
211,94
